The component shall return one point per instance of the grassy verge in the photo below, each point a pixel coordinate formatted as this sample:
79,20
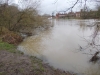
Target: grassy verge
14,62
8,47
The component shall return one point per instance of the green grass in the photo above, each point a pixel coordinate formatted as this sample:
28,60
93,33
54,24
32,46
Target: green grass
2,73
7,46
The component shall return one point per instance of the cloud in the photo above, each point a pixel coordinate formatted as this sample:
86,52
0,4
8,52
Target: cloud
48,6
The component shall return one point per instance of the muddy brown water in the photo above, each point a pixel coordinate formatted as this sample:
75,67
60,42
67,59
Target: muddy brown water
64,46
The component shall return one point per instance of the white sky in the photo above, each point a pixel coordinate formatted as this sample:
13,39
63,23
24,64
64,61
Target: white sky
49,6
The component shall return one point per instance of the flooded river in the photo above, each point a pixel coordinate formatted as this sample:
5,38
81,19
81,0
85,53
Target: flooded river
64,46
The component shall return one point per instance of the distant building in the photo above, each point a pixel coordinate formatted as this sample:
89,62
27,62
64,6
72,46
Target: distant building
71,15
81,14
60,15
78,14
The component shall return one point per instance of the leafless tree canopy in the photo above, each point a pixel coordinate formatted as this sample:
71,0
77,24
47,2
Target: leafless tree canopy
19,17
82,2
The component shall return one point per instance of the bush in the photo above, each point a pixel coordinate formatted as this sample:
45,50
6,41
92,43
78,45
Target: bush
12,38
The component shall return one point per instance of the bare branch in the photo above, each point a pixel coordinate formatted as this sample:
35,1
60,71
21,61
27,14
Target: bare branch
55,1
73,5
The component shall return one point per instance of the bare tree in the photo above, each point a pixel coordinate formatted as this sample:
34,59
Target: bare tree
15,18
29,3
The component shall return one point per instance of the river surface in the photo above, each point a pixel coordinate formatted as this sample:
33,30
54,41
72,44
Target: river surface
64,46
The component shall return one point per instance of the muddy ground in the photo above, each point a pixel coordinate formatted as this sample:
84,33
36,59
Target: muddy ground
19,64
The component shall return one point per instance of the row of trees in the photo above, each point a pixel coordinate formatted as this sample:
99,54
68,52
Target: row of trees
15,18
88,14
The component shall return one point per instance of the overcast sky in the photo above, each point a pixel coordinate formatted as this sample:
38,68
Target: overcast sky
49,6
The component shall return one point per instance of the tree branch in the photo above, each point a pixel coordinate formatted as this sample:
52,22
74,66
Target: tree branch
73,5
55,1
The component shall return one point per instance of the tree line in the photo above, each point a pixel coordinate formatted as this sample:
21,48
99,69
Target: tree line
90,14
15,18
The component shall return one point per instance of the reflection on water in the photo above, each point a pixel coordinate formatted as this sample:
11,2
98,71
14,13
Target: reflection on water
60,46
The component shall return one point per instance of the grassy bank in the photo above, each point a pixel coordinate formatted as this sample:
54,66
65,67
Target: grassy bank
14,62
5,46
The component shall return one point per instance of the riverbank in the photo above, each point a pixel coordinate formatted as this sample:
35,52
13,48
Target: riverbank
14,62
